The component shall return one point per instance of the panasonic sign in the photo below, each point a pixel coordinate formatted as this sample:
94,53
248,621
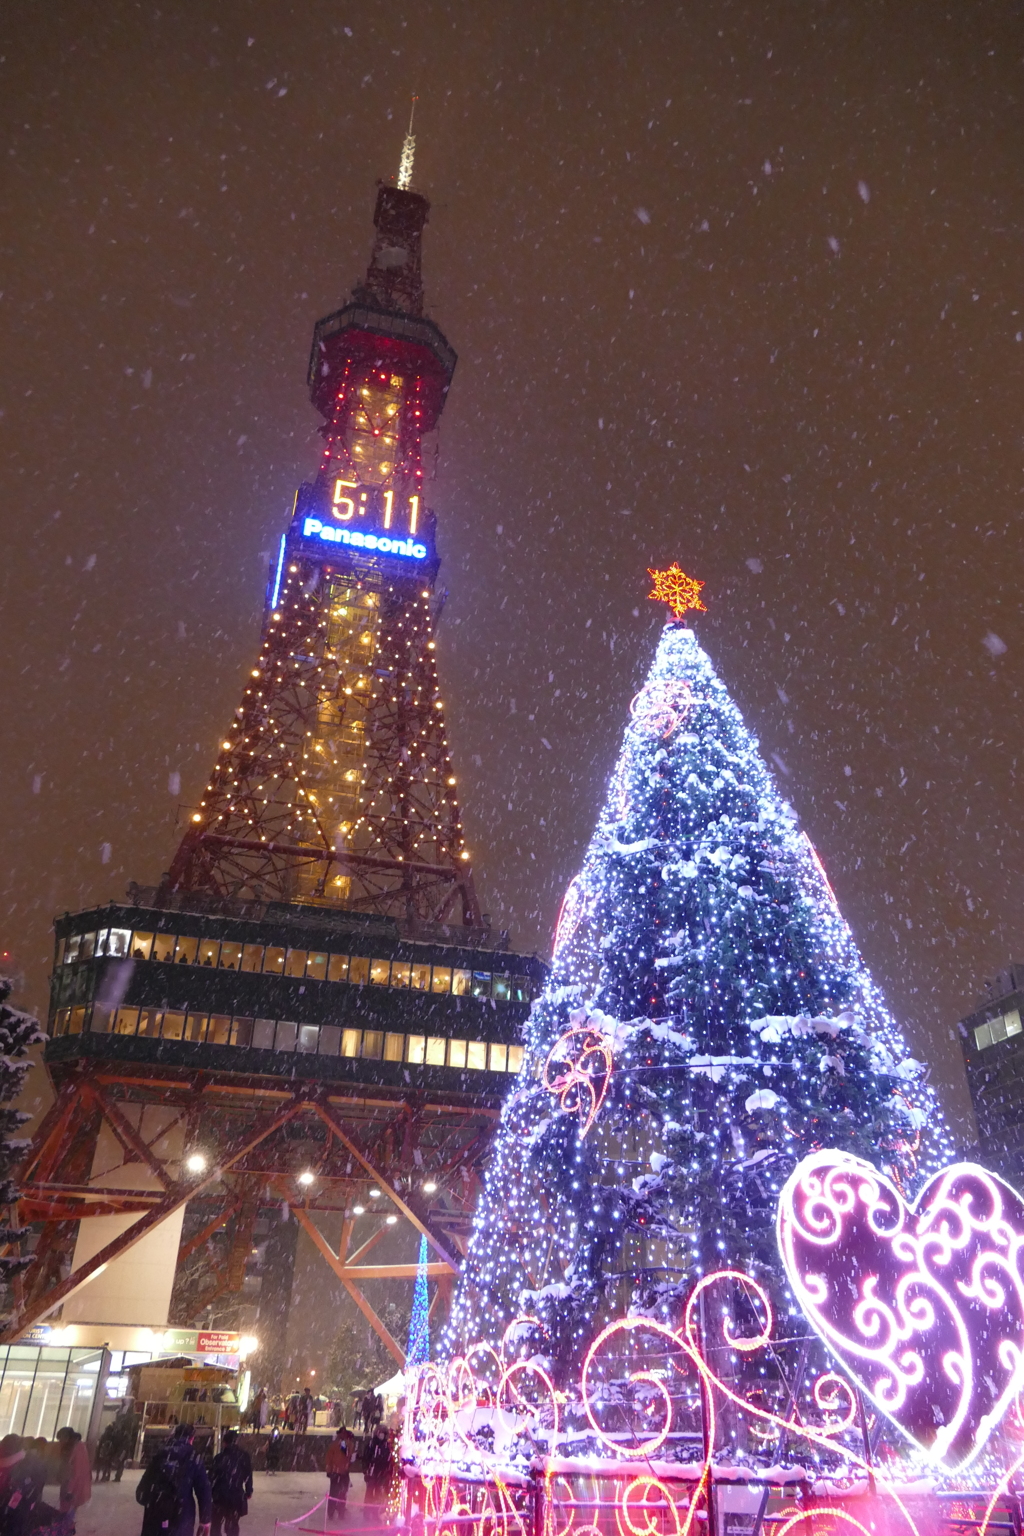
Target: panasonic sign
378,543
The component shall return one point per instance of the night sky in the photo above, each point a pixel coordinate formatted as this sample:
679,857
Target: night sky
737,285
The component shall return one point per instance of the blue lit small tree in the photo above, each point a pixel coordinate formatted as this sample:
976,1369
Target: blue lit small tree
417,1350
708,1021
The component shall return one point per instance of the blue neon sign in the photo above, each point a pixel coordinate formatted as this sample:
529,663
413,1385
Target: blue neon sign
378,543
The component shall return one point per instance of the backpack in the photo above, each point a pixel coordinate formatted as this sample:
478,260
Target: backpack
159,1496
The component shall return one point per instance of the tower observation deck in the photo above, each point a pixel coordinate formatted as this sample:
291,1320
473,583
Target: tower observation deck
306,1024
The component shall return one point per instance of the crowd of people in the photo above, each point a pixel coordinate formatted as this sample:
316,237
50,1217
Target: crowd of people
177,1487
27,1467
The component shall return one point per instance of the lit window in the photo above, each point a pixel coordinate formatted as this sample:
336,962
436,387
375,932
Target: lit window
421,978
241,1033
330,1040
186,950
87,946
400,970
295,965
195,1026
461,981
1001,1028
515,1058
174,1026
316,966
337,969
476,1056
373,1043
350,1039
209,949
499,1058
481,984
435,1051
252,957
163,946
118,940
415,1047
501,988
142,945
218,1031
442,981
126,1021
393,1045
309,1038
273,960
380,970
230,957
359,970
456,1053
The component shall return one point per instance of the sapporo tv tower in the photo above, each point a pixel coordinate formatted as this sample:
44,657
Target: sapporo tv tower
335,782
306,1027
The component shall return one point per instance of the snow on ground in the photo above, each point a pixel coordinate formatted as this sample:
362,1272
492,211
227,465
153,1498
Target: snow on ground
112,1510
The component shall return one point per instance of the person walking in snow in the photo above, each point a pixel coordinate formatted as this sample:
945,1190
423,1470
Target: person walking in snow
174,1478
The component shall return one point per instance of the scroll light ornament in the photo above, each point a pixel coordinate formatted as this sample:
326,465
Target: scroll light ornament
660,708
921,1303
578,1068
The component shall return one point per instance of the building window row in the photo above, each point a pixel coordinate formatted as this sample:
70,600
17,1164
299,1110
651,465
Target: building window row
311,964
997,1029
286,1035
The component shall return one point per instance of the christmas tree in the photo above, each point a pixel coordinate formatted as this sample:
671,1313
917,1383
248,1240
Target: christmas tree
707,1023
18,1031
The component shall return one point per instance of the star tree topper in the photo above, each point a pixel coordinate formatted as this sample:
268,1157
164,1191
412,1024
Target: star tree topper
680,591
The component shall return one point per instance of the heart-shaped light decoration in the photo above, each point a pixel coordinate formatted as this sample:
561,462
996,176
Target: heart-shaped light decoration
923,1304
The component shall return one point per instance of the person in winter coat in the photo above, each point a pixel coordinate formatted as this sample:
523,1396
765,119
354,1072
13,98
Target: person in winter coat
166,1489
231,1484
377,1464
21,1488
337,1465
75,1470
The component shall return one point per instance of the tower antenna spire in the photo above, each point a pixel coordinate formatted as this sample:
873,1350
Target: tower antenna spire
408,153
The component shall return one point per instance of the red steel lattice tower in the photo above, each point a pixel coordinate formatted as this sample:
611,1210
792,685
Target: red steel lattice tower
334,784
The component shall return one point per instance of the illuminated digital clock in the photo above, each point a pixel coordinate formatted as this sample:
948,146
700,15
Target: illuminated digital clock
350,499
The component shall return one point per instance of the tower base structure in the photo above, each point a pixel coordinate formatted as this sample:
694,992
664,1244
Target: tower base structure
214,1062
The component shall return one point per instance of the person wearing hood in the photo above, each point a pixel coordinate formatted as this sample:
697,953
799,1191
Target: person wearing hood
21,1487
174,1482
75,1470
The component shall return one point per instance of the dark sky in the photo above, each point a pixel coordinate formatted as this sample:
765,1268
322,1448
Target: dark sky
733,284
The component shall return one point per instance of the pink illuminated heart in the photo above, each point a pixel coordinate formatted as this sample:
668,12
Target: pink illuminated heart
922,1304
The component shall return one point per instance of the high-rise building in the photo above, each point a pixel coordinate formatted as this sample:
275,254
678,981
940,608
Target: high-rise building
308,1013
992,1041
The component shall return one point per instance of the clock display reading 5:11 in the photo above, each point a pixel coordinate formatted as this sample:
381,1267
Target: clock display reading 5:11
351,500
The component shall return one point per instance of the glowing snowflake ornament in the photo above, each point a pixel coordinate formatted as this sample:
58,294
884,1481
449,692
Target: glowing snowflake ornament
681,592
922,1304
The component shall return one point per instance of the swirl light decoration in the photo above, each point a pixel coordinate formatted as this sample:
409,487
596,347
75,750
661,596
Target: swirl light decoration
570,913
577,1072
474,1442
923,1303
660,708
